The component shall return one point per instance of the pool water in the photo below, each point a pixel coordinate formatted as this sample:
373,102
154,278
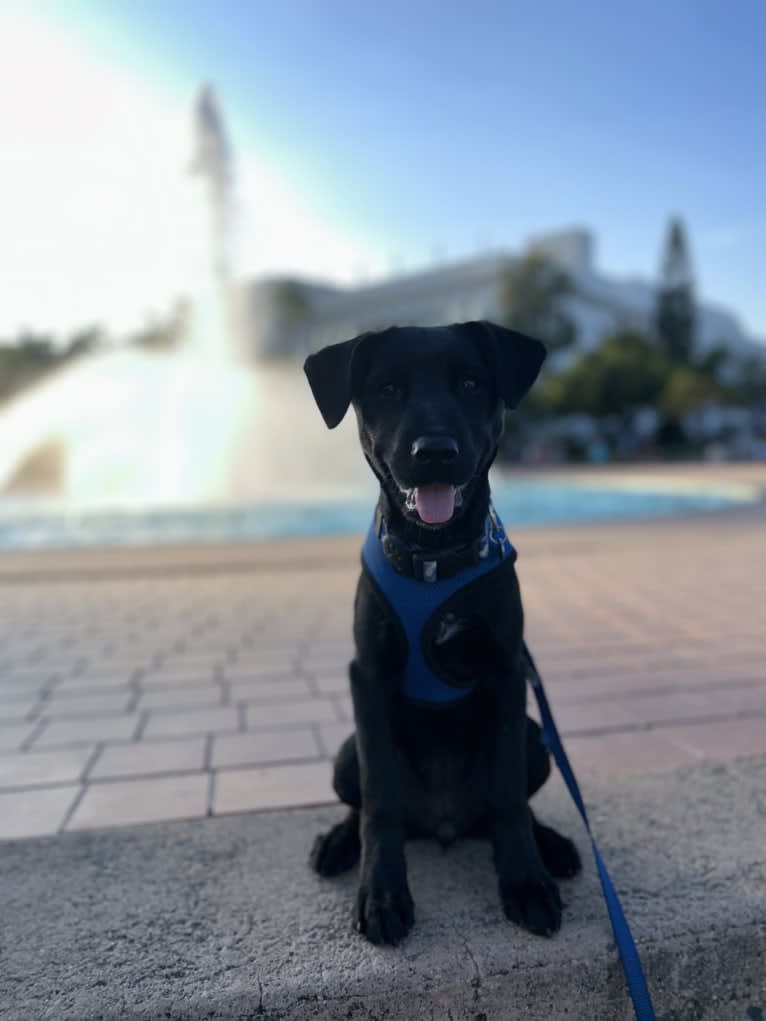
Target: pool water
520,503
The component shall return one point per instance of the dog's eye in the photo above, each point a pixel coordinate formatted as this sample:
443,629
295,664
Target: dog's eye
389,390
469,384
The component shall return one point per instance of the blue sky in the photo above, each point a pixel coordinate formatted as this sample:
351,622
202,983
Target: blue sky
408,130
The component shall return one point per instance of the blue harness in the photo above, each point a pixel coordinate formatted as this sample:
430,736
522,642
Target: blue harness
415,602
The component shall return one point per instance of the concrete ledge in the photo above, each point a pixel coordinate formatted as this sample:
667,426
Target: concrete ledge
222,919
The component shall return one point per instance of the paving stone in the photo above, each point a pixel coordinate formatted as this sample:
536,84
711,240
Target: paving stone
335,683
631,712
263,747
31,677
200,661
253,669
62,765
93,683
344,706
675,705
245,790
128,802
13,735
269,714
332,736
325,660
13,690
192,721
61,705
185,666
722,740
266,690
626,752
750,699
35,813
19,710
157,679
147,757
86,730
197,697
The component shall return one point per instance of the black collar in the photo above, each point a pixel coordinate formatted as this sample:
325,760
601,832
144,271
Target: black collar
436,564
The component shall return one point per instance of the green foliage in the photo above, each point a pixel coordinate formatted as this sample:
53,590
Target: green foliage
685,390
716,359
31,356
84,341
624,373
531,294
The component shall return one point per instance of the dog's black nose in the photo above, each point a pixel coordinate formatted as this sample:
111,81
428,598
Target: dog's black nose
429,449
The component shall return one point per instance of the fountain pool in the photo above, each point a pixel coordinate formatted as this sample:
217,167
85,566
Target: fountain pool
521,503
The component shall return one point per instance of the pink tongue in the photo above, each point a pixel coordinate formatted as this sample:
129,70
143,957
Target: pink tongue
436,503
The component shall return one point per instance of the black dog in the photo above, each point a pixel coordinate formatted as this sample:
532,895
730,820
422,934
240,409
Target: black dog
443,747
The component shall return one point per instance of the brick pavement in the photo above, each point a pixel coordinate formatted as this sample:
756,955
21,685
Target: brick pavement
140,686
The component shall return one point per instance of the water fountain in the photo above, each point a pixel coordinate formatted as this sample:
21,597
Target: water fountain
198,427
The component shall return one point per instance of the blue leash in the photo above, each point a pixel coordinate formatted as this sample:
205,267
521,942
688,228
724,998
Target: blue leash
631,963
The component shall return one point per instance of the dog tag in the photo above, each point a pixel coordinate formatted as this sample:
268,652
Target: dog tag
429,570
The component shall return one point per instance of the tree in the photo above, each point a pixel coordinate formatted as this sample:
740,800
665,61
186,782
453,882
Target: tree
531,295
25,360
714,363
625,372
685,390
84,341
674,315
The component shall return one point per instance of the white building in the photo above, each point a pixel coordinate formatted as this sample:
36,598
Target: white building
283,317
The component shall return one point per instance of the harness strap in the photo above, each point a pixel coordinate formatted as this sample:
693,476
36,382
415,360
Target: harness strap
414,596
631,962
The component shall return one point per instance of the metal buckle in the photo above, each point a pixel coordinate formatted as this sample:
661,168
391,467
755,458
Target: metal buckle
424,570
430,570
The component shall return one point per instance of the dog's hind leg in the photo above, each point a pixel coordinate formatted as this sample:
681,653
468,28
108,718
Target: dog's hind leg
559,853
339,849
538,759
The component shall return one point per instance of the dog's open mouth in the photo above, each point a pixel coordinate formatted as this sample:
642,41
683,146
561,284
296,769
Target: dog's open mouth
435,503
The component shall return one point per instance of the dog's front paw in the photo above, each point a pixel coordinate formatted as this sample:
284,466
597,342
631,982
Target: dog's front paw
384,911
533,902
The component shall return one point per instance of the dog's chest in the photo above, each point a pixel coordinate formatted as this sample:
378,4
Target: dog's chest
446,760
445,794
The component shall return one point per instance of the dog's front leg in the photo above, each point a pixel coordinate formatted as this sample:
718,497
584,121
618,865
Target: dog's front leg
528,894
384,910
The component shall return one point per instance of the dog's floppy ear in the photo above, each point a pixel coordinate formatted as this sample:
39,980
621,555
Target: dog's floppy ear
331,373
515,358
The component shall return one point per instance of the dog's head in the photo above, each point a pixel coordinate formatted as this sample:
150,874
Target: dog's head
429,403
